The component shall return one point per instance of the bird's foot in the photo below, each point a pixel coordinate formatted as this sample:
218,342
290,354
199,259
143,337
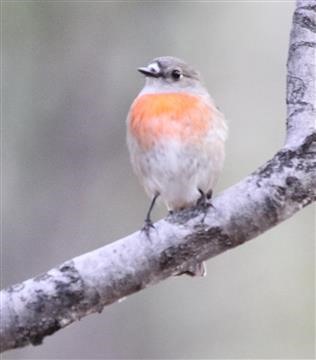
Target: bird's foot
148,225
203,201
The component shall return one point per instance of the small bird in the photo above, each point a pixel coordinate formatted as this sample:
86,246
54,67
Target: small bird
176,137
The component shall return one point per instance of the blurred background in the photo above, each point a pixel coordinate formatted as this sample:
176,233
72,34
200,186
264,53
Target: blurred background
69,76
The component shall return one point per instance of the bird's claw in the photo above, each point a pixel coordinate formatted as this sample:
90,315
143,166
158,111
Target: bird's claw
204,201
148,225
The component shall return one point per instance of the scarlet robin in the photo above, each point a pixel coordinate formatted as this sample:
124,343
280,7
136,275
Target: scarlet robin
176,137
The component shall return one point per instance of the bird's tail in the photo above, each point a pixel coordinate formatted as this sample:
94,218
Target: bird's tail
197,269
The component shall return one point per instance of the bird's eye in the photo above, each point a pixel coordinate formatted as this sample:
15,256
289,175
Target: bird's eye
176,74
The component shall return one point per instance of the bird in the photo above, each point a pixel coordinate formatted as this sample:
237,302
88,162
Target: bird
176,138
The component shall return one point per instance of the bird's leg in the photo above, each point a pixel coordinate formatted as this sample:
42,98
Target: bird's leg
202,200
148,223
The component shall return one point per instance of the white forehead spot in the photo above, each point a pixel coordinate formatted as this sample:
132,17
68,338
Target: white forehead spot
154,67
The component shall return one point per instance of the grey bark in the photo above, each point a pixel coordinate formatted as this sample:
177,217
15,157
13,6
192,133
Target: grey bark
40,306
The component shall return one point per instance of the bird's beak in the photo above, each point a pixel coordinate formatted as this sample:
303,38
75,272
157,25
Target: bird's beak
149,71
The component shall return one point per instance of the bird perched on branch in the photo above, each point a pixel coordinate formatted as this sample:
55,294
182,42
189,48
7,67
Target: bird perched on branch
176,137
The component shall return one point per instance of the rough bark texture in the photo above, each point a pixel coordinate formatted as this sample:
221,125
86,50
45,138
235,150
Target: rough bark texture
38,307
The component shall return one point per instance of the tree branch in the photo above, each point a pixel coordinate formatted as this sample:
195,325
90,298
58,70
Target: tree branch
274,192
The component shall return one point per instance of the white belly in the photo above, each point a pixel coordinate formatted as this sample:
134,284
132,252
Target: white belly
177,171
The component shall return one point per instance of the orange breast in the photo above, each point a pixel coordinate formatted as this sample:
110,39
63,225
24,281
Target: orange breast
169,115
